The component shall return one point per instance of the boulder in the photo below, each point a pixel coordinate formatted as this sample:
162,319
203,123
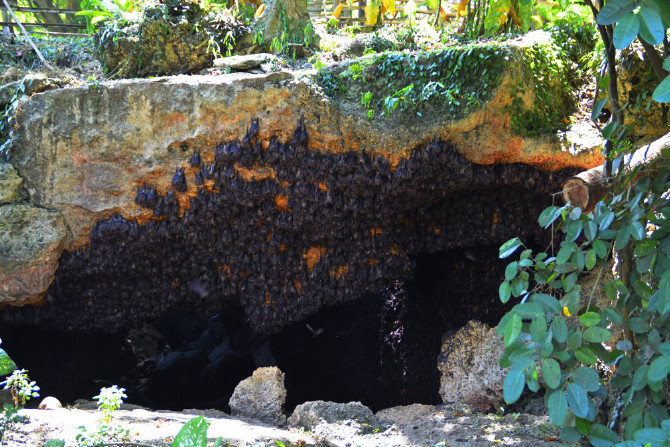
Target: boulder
156,46
49,403
10,185
261,397
311,414
31,241
469,366
243,63
405,414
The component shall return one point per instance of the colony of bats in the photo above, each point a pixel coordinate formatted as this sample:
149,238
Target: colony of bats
323,228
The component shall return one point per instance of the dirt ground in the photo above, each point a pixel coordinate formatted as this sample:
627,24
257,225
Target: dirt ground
414,425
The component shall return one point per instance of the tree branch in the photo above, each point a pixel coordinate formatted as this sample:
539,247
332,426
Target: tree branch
654,59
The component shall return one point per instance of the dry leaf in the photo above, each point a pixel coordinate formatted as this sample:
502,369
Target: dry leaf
338,10
259,11
371,13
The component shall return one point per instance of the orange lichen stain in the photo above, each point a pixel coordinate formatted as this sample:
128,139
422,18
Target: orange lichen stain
282,247
323,187
374,231
298,286
225,268
184,202
434,228
175,284
172,119
495,218
313,256
267,301
259,223
339,271
281,202
145,217
244,273
406,222
396,249
284,184
269,236
255,173
372,262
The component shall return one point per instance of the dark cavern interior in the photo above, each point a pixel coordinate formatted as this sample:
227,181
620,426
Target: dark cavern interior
343,269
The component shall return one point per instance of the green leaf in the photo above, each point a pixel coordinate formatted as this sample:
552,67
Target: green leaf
622,237
626,31
589,319
652,436
624,345
511,270
586,356
551,371
575,340
640,378
559,329
587,378
505,291
614,10
597,334
637,325
645,248
538,329
651,26
519,286
513,385
505,361
591,259
512,329
548,301
574,230
597,109
614,316
569,282
570,435
608,131
637,230
192,434
565,252
601,436
578,401
659,368
605,219
55,443
7,365
509,247
557,405
549,215
600,248
583,426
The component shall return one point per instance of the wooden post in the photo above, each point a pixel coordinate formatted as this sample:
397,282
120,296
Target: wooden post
587,188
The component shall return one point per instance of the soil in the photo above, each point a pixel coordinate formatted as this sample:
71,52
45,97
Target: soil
414,425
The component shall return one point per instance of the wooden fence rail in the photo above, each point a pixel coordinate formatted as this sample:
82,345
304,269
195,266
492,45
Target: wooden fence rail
53,28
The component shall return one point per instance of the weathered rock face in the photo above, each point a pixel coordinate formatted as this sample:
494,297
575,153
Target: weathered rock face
11,190
470,368
261,397
31,241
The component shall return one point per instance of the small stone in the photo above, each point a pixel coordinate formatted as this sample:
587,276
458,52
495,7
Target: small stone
261,397
50,403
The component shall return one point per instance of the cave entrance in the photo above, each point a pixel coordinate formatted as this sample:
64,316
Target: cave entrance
380,349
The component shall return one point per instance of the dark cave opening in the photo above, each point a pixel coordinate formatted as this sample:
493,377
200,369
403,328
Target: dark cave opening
380,349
